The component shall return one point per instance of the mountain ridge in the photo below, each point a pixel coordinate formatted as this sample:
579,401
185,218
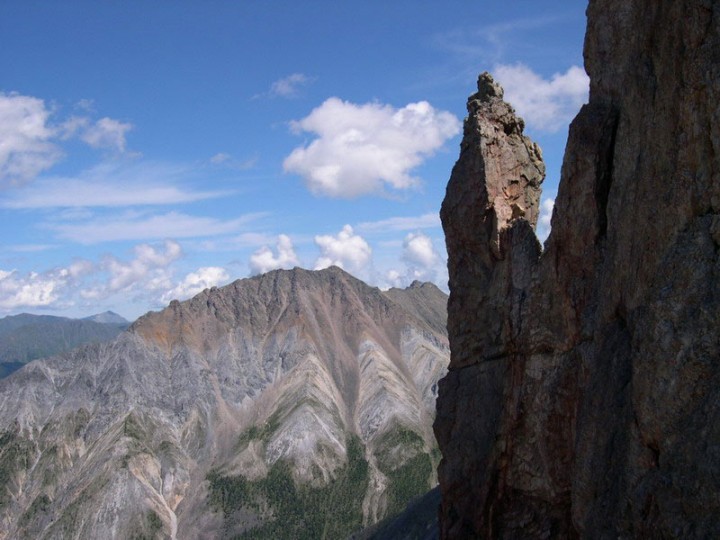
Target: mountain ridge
107,317
27,337
268,379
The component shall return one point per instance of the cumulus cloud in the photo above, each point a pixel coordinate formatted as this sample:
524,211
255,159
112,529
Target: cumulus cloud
418,251
364,149
394,278
33,290
544,220
196,282
546,105
26,146
29,140
289,86
148,276
264,260
36,290
346,250
147,271
148,260
421,260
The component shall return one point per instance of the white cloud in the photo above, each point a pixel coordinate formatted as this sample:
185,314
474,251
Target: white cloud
80,267
142,227
422,262
418,251
264,260
106,133
72,126
546,105
425,221
39,290
362,149
147,271
28,140
147,260
393,278
26,148
289,86
33,290
148,276
109,185
196,282
544,220
346,250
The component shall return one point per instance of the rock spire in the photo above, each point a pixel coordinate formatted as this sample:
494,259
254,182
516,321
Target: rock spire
583,398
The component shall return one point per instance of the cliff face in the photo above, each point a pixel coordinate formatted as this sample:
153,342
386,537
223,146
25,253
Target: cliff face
583,397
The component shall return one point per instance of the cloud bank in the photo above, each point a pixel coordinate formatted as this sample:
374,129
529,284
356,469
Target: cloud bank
39,290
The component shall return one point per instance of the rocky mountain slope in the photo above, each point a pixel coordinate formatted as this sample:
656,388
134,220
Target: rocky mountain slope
583,398
27,337
289,405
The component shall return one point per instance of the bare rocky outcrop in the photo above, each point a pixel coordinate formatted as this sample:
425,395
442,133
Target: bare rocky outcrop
583,398
288,400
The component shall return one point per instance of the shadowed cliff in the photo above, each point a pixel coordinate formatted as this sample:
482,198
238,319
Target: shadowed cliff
583,398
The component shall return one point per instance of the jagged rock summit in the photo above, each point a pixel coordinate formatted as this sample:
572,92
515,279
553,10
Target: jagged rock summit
293,403
583,398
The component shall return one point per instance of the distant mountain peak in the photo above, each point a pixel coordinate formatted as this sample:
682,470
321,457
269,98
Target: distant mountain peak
281,405
107,317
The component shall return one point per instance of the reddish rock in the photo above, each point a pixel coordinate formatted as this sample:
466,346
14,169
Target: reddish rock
583,398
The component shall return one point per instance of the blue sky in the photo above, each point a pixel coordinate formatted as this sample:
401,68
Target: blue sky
151,149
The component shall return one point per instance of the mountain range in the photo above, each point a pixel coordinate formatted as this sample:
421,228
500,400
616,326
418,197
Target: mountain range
296,404
27,337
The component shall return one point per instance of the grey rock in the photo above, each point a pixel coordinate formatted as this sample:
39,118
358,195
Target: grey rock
116,440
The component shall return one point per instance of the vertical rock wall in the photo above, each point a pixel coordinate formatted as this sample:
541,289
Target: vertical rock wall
583,398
